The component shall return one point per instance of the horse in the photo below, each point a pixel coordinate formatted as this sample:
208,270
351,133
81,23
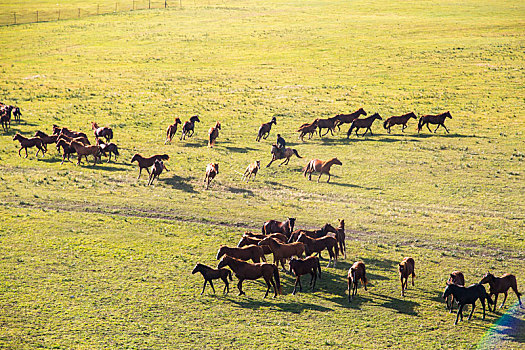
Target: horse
264,130
406,268
188,128
70,133
316,165
17,114
172,129
301,267
279,236
5,116
247,240
283,251
278,153
399,120
438,119
467,295
250,252
252,169
246,271
85,151
501,285
67,149
458,279
329,123
107,149
323,231
355,273
145,163
348,118
47,140
213,133
308,128
341,237
210,274
363,123
284,227
26,143
82,139
157,169
316,245
105,131
212,170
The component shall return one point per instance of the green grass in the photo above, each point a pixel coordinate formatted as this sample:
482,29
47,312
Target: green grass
95,259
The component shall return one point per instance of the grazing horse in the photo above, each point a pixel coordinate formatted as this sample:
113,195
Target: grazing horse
251,252
458,279
212,170
188,128
329,123
157,169
264,130
301,267
5,116
355,273
278,153
67,149
501,285
146,163
399,120
308,128
284,227
172,129
246,271
107,149
210,274
363,123
283,251
85,151
406,268
316,245
252,169
438,119
17,114
247,240
467,295
105,131
349,118
47,140
213,133
26,143
316,165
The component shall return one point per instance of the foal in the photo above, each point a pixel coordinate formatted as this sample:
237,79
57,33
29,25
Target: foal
316,165
172,129
406,268
213,133
252,169
210,274
357,272
363,123
45,138
501,285
189,127
212,170
107,149
26,143
157,169
301,267
264,130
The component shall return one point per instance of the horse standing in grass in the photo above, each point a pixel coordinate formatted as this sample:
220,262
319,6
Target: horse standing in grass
316,165
316,245
438,119
246,271
283,251
501,285
329,123
213,133
399,120
107,149
172,129
278,153
264,130
468,295
252,169
284,227
157,169
363,123
146,163
300,267
210,274
348,118
323,231
406,268
355,273
212,170
250,252
17,114
26,143
341,237
104,131
308,128
458,279
188,128
5,116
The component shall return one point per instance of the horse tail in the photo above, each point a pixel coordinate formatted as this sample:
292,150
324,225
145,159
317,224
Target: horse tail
229,274
116,151
384,124
306,168
420,123
364,279
295,152
319,268
110,134
349,132
277,278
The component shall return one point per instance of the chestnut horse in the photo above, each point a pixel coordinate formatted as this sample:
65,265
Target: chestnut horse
308,128
316,245
264,130
316,165
172,129
146,163
82,139
252,169
458,279
210,274
399,120
355,273
157,169
278,153
58,130
323,231
501,285
212,170
438,119
329,124
105,131
26,143
85,151
247,271
349,118
250,252
283,251
363,123
247,240
406,268
468,295
213,133
284,227
45,138
341,237
67,149
301,267
280,236
188,128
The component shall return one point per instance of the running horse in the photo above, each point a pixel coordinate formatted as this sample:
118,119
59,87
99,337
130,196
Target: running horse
252,169
211,274
213,133
188,129
104,131
399,120
316,165
264,130
172,129
363,123
212,170
329,123
26,143
501,285
308,128
146,163
438,119
278,153
349,118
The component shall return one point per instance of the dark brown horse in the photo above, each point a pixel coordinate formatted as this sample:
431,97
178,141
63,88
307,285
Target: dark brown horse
213,133
26,143
5,116
284,227
210,274
468,295
308,128
45,138
156,170
104,131
188,128
341,237
355,273
501,285
300,267
363,123
250,252
172,129
17,114
67,149
458,279
438,119
349,118
107,149
70,133
264,130
82,139
323,231
146,163
317,165
283,251
329,123
399,120
247,271
406,268
316,245
212,170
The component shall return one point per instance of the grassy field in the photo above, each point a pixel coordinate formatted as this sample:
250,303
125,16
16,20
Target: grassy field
93,258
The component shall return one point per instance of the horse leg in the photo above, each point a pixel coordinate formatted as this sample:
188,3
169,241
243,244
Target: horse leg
204,287
402,287
297,281
428,126
211,284
140,172
226,285
319,178
26,151
239,286
471,311
314,275
445,128
495,302
329,176
504,299
437,128
483,304
459,313
413,274
273,158
267,285
371,134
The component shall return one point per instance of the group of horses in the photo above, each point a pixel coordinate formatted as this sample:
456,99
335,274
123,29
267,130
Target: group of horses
6,113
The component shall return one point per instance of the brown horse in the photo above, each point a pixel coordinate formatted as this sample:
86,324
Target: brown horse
355,273
70,133
212,170
210,274
308,128
85,151
247,240
250,252
247,271
172,129
188,128
279,236
301,267
283,251
284,227
316,165
406,268
329,123
26,143
67,149
278,153
363,123
501,285
47,140
157,169
146,163
5,116
264,130
82,139
458,279
17,114
107,149
341,237
213,133
348,118
438,119
399,120
316,245
104,131
323,231
252,169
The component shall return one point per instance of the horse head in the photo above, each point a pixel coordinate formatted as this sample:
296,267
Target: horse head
194,119
196,269
447,115
135,157
221,252
487,278
447,291
361,111
223,262
377,116
412,115
258,162
337,162
17,136
177,121
342,223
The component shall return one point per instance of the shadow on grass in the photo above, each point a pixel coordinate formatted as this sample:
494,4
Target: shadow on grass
239,149
246,302
277,184
239,190
179,183
193,144
402,306
353,185
385,264
454,135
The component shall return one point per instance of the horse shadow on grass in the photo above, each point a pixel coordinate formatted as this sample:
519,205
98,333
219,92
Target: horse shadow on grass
247,302
352,185
402,306
240,190
454,135
179,183
239,149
